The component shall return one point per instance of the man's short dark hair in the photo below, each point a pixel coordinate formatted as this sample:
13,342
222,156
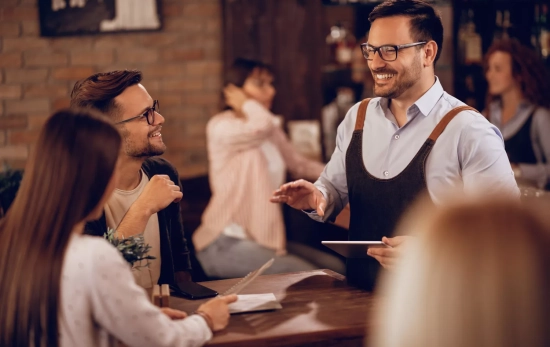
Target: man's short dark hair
99,91
425,21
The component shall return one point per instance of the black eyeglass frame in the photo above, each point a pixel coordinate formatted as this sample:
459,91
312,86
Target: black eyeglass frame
150,113
366,45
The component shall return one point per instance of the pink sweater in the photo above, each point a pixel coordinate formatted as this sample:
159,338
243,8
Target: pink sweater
239,177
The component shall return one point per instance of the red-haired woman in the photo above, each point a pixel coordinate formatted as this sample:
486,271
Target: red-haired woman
518,104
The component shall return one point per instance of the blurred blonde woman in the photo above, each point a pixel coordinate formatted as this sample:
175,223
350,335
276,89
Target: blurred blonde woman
478,275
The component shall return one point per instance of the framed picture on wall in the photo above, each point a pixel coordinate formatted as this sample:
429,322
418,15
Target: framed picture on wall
84,17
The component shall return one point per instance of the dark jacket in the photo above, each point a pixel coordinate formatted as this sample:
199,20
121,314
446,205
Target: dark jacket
173,246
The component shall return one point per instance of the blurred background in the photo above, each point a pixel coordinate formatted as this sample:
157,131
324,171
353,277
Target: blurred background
182,47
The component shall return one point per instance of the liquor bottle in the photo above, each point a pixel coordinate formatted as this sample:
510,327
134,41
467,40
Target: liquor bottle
506,25
470,42
544,33
535,30
345,46
497,35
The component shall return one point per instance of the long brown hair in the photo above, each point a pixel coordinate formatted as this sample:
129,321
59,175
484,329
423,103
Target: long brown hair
479,275
527,68
64,181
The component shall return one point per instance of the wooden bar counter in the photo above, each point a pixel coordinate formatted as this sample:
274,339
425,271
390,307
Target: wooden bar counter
319,309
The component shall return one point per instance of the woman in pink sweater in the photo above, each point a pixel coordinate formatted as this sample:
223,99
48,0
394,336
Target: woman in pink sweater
249,155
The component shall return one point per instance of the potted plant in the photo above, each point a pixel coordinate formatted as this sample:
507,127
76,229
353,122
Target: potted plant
9,185
133,249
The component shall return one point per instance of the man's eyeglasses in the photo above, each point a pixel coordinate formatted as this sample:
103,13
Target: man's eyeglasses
149,114
386,52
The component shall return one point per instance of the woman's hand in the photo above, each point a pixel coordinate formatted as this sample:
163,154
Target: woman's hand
217,311
234,97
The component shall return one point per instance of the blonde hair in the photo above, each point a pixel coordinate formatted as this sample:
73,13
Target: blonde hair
477,275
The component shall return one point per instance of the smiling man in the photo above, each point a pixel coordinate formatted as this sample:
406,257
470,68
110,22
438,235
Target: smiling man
147,195
413,137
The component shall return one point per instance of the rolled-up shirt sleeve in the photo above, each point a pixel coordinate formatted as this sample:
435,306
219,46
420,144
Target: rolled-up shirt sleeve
485,165
332,183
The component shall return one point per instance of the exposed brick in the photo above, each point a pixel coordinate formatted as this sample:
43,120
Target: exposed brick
201,9
30,28
37,120
2,138
19,13
10,91
24,43
40,58
116,41
186,26
10,59
25,75
204,98
25,106
19,137
170,100
213,25
137,56
182,54
72,73
158,40
46,90
100,57
61,103
15,164
13,122
14,152
72,43
203,67
10,29
172,10
183,84
213,82
166,70
9,3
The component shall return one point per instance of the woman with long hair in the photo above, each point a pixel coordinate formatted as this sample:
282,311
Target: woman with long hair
61,288
518,103
249,155
477,275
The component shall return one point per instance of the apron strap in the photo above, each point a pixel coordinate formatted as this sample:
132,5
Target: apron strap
361,113
446,119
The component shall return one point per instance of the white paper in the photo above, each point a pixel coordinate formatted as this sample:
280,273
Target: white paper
255,302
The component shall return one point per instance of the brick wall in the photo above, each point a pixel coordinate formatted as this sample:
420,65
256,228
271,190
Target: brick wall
181,65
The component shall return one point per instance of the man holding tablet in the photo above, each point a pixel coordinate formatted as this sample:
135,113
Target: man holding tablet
411,138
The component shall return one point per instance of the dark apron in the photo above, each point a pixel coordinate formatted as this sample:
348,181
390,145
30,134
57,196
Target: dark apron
377,204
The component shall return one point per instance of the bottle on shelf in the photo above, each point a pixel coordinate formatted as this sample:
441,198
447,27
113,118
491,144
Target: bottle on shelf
544,37
341,43
497,35
535,30
470,41
506,24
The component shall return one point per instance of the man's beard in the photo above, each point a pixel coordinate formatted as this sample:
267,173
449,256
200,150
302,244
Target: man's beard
146,150
402,84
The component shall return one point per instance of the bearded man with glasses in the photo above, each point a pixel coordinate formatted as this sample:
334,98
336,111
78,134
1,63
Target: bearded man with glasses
413,137
148,189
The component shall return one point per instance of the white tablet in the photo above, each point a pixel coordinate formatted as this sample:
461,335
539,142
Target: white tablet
353,249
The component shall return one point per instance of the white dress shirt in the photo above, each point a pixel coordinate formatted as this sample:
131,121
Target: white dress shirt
468,156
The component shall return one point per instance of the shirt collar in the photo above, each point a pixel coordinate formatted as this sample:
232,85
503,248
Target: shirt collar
426,102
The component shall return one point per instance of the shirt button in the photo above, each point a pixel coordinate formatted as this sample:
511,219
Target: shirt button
396,137
386,173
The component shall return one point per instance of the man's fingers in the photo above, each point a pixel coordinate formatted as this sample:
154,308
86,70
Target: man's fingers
321,208
279,198
382,252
